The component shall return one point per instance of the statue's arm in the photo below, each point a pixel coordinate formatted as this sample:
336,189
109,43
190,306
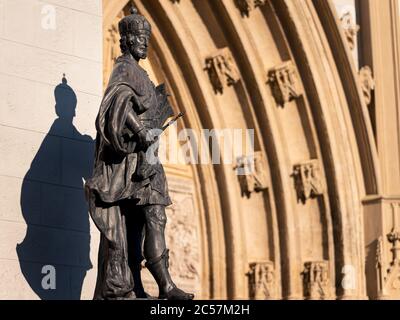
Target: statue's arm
141,134
133,122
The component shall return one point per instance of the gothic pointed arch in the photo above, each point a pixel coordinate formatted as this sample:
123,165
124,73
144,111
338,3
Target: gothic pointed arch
286,73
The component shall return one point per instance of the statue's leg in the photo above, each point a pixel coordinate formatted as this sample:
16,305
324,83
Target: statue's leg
156,253
135,229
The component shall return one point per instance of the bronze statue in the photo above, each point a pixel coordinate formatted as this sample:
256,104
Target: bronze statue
128,194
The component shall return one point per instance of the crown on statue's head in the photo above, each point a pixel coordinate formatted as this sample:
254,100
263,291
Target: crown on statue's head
133,23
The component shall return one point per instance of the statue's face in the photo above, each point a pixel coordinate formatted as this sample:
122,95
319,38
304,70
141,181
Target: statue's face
139,44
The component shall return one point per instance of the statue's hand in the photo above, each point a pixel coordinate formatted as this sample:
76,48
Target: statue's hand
146,138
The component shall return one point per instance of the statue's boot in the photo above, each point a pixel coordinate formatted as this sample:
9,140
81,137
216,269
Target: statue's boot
167,289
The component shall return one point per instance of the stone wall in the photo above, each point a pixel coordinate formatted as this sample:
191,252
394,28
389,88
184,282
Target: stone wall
51,86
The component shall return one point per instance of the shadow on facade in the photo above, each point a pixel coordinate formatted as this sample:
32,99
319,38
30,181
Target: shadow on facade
54,206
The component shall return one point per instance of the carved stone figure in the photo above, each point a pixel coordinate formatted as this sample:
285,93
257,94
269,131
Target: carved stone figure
284,82
251,173
222,70
316,280
128,192
307,180
350,29
262,280
245,6
367,83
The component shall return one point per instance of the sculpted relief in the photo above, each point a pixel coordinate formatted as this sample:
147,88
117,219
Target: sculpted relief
182,232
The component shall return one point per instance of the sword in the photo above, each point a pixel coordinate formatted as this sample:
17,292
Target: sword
180,115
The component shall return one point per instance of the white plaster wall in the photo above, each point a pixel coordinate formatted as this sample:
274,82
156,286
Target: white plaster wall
44,156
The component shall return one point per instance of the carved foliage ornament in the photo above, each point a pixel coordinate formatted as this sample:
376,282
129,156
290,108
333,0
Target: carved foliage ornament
316,282
350,29
222,70
262,282
307,180
245,6
251,172
284,83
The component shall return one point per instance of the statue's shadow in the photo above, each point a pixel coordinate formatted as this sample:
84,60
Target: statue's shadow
54,206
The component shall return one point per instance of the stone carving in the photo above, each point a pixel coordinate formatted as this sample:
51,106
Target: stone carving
284,83
251,172
307,180
389,278
182,237
367,83
316,282
262,281
379,253
393,275
350,29
380,268
246,6
222,70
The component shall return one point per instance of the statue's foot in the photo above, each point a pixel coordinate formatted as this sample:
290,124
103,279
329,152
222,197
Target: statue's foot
176,294
159,269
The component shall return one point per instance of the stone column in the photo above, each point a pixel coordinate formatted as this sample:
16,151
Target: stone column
379,49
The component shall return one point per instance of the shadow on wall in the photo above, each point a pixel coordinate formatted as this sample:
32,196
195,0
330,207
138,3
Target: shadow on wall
54,207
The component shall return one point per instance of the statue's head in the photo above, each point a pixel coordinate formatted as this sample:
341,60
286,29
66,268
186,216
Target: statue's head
135,33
